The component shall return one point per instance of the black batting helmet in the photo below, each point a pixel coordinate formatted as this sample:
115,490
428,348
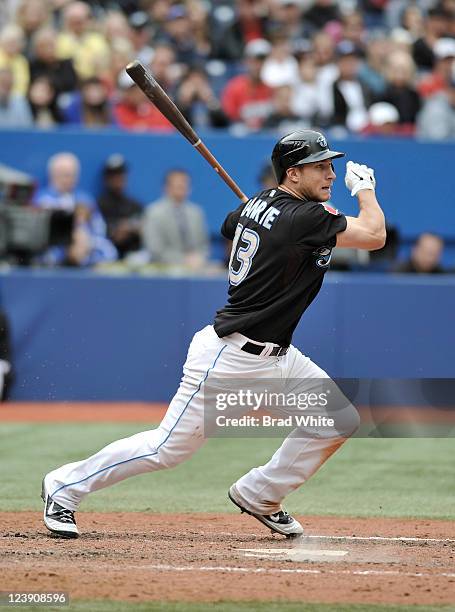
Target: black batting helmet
300,147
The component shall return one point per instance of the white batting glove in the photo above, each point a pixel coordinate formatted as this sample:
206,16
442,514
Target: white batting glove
359,177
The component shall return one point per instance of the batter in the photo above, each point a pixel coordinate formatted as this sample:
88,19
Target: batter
282,244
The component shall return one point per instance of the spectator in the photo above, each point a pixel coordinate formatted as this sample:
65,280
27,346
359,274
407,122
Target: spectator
400,40
46,63
400,90
324,54
197,101
374,12
384,121
174,229
157,12
179,35
444,65
353,29
230,33
280,68
327,72
395,11
198,17
287,20
307,93
371,72
14,109
163,67
350,99
282,118
140,34
246,99
11,45
436,121
116,26
322,13
91,106
78,41
435,27
121,213
42,98
134,112
31,16
122,53
425,257
413,21
89,244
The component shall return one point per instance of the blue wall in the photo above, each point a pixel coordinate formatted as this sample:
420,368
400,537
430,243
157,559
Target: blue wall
81,336
415,180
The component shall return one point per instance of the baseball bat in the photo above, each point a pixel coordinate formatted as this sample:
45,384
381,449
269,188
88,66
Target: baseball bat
157,96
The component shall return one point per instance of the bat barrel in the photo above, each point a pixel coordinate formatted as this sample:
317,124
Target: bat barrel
157,96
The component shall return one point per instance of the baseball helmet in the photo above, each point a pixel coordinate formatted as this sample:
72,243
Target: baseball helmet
300,147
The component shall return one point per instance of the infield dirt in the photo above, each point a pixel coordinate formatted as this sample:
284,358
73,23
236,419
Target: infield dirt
207,557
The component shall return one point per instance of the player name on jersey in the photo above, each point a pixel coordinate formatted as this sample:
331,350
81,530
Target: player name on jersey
257,210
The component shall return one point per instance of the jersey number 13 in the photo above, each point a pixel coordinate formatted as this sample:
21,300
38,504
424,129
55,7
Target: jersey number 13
244,247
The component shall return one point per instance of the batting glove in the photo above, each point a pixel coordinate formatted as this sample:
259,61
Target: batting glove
359,177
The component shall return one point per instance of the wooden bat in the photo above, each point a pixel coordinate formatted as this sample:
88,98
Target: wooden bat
145,81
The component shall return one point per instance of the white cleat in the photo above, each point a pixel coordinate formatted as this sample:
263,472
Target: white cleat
58,519
280,522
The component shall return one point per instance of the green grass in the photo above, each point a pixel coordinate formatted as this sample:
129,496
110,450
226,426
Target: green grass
121,606
367,477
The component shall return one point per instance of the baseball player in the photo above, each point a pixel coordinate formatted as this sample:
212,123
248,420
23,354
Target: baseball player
282,244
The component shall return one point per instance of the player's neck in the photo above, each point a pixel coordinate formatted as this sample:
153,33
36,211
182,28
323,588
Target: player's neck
290,191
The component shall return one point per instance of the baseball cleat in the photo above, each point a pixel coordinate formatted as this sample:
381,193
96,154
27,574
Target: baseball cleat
279,522
58,519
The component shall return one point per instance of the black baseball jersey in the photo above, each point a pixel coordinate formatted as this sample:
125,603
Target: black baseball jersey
281,250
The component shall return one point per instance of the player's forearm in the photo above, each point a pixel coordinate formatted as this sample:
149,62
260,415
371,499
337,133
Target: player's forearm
371,215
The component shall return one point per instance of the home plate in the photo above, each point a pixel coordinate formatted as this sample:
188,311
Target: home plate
294,554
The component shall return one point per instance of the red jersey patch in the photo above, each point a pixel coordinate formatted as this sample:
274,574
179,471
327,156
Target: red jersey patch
330,209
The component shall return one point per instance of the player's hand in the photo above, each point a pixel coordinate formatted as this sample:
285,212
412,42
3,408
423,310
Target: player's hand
359,177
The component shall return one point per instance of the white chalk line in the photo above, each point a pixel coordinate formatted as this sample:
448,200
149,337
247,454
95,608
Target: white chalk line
364,538
380,539
277,570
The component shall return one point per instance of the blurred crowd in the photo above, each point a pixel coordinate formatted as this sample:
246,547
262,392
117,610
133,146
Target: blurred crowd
112,225
351,67
170,234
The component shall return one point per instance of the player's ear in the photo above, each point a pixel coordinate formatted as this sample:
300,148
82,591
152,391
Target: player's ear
293,174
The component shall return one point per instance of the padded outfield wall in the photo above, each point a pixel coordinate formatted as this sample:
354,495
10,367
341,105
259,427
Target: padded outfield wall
82,336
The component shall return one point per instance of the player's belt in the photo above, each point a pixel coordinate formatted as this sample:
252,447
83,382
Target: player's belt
257,349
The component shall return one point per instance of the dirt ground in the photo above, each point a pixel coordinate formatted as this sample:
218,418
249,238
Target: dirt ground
207,557
213,557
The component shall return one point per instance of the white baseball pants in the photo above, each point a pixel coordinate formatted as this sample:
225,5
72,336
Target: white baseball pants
181,431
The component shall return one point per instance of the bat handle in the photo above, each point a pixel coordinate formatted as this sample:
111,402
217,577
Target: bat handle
200,146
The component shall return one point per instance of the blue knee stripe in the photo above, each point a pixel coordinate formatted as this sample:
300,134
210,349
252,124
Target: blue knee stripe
158,447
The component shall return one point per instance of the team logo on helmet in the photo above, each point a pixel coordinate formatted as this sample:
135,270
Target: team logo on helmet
322,141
